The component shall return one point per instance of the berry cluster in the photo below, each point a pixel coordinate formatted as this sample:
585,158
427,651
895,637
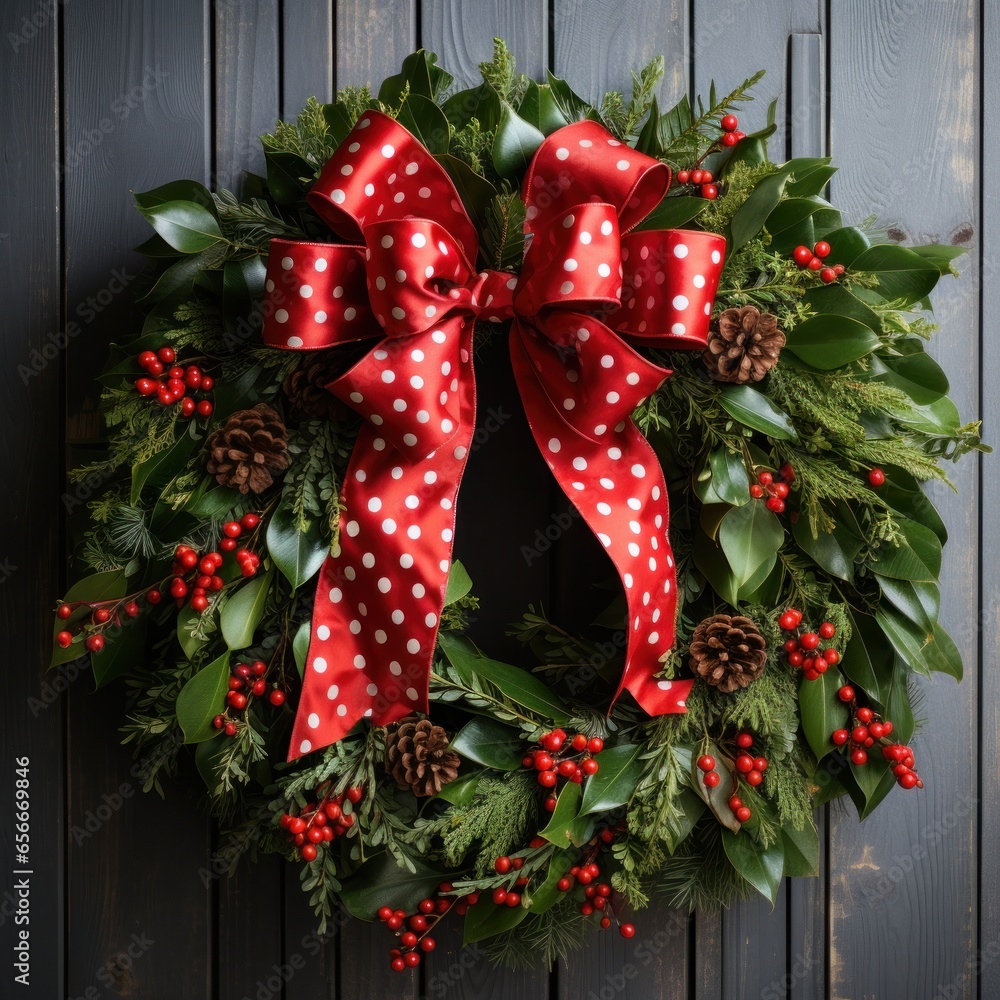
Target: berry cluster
866,730
563,757
174,384
319,823
703,179
413,929
730,126
803,649
102,614
598,896
813,259
776,489
196,575
700,178
246,682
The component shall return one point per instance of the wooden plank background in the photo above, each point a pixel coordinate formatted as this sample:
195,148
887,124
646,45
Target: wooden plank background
107,96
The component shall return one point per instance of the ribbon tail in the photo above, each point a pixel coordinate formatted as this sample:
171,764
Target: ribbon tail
614,479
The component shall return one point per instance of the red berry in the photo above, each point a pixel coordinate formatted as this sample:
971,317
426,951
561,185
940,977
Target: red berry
148,358
838,269
744,763
547,779
827,630
729,123
384,912
542,761
735,802
775,505
499,895
154,596
765,478
822,249
579,742
595,744
876,730
729,139
219,721
711,779
427,944
709,191
502,865
355,795
411,959
64,639
876,477
397,964
840,737
754,778
846,693
907,780
809,640
802,255
590,766
706,762
627,930
101,615
827,275
780,490
787,621
697,176
408,940
760,763
146,386
859,757
250,521
550,803
859,734
166,355
744,740
95,643
683,176
864,715
204,408
199,603
756,491
743,814
815,264
513,899
232,529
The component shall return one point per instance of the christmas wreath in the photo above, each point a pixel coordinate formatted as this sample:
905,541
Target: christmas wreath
268,562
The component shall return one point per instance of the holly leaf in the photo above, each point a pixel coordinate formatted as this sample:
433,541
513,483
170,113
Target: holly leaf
514,142
300,646
801,850
749,536
903,276
243,611
299,555
560,828
186,226
485,920
729,477
490,743
761,868
821,710
917,557
459,584
612,786
754,410
381,881
202,698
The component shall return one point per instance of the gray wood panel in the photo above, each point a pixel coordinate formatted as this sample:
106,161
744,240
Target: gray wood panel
31,713
899,877
135,81
306,54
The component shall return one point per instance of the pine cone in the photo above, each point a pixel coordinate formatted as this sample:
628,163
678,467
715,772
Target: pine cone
728,652
743,345
417,756
306,386
249,449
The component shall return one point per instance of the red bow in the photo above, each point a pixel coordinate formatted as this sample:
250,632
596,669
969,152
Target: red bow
583,285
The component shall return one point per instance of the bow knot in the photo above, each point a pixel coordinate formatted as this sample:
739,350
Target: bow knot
588,287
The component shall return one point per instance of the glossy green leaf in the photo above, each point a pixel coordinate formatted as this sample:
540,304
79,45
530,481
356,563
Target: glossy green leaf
243,611
729,477
299,555
573,107
490,743
481,102
839,300
338,121
690,809
160,468
426,121
614,783
821,710
186,226
801,851
830,341
380,881
485,920
752,215
917,601
761,868
179,190
869,660
916,374
749,536
125,651
538,107
518,685
753,409
917,556
202,698
717,798
902,274
419,74
833,551
514,143
711,563
922,651
674,212
475,191
289,176
459,583
461,791
548,893
846,244
868,784
300,646
559,829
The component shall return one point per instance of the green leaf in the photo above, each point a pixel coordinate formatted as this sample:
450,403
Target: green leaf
801,850
753,409
382,882
752,215
420,73
559,829
481,103
299,555
518,685
573,107
459,583
207,756
917,601
124,652
285,173
749,536
674,212
202,698
160,468
612,786
919,649
761,868
717,798
869,659
181,190
490,743
917,556
514,142
916,374
846,244
475,191
186,226
821,710
339,121
902,274
548,893
186,617
729,477
833,551
690,809
538,107
461,791
711,562
243,611
868,784
426,121
839,300
831,341
486,919
300,646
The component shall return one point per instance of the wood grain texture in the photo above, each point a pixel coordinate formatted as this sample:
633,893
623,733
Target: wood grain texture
597,44
307,54
918,854
31,714
134,100
988,945
247,81
373,38
464,29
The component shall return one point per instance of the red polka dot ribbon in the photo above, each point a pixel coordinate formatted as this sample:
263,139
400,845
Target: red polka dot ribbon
588,285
